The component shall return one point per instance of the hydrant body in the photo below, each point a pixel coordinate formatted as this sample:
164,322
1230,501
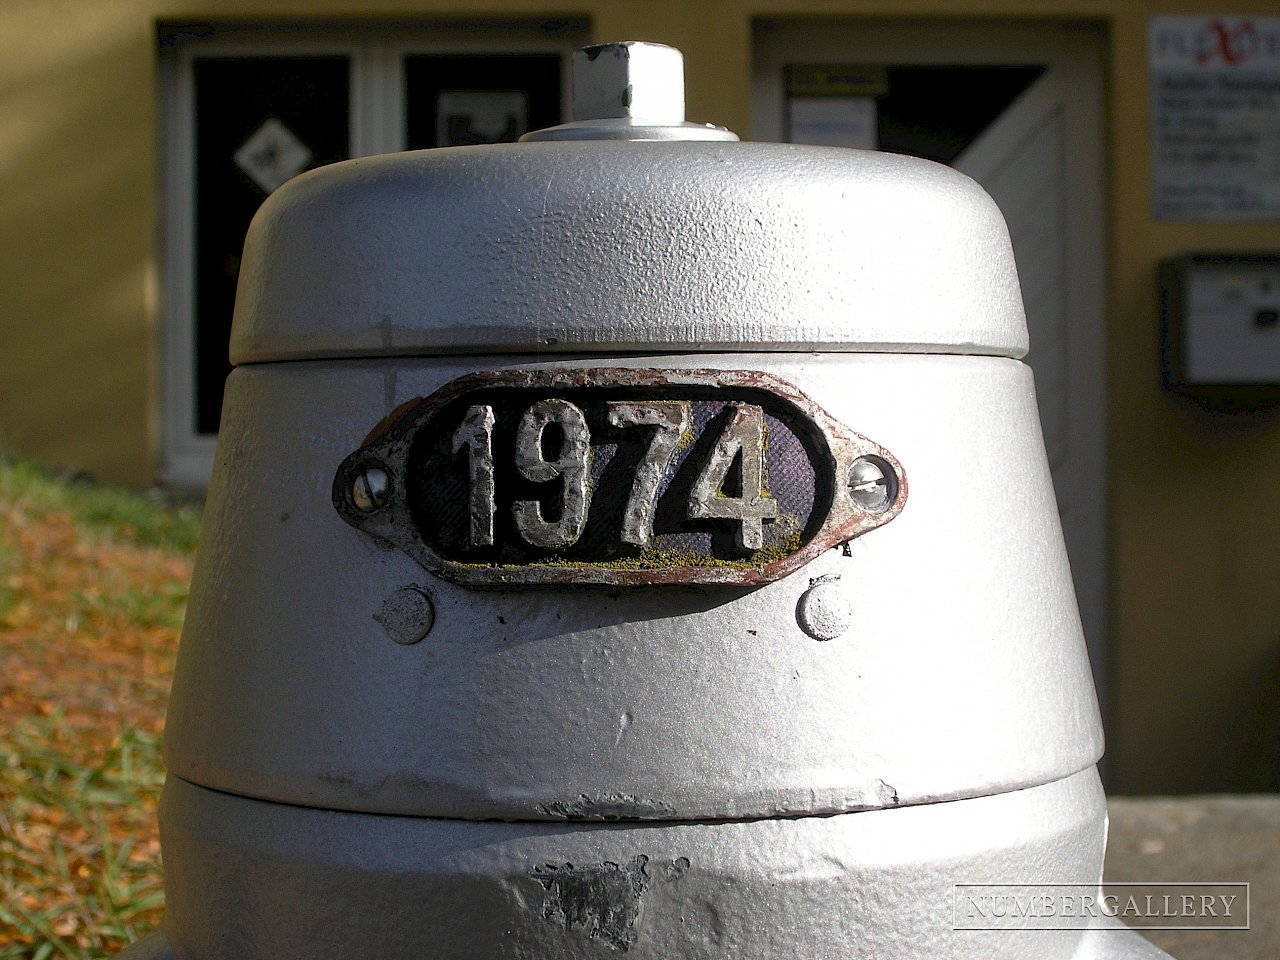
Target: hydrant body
543,610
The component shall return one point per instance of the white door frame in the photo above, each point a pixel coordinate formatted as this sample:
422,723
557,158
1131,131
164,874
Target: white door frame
1073,54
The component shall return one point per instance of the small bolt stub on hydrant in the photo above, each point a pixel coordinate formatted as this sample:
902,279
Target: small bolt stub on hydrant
825,610
635,598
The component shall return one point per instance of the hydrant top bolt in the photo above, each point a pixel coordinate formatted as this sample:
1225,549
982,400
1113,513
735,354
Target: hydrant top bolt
631,80
371,489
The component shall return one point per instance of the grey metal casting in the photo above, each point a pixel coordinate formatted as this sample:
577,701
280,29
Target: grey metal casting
519,629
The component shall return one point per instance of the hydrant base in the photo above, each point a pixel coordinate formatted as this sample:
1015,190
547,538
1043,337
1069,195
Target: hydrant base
247,878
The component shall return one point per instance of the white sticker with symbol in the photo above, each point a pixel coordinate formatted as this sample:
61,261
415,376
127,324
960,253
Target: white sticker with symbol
272,155
466,117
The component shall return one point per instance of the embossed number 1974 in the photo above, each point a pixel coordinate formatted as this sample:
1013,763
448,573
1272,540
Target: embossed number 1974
741,439
616,476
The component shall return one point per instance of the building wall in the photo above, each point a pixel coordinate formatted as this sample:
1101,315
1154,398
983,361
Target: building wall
1194,496
77,250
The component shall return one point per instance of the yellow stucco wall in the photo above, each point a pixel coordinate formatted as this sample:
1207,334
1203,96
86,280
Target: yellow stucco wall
1194,498
1195,506
77,131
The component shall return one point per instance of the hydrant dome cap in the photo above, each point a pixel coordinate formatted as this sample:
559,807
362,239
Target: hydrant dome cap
623,247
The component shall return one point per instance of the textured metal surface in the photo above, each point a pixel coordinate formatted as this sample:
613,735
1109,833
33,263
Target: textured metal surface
803,479
964,672
249,879
672,246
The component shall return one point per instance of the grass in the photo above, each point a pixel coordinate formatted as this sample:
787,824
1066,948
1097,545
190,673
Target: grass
93,588
148,518
77,880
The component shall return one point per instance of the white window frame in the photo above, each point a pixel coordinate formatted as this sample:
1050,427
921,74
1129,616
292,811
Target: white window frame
376,54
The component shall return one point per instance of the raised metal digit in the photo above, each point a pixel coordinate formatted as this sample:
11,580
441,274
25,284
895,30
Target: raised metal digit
671,419
570,464
475,434
742,439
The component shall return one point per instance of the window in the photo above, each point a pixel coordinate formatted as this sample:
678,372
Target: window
246,108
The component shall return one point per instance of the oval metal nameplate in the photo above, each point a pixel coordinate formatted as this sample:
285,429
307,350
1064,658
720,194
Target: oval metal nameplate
616,476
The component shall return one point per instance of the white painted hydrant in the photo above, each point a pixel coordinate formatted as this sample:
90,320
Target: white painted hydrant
543,609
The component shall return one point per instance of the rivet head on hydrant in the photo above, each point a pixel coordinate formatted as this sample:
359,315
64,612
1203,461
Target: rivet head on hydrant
825,610
407,615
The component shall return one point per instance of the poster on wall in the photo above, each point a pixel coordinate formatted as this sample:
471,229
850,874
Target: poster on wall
1215,117
834,105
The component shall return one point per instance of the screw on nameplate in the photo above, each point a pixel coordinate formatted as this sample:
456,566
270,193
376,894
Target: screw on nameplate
871,484
370,489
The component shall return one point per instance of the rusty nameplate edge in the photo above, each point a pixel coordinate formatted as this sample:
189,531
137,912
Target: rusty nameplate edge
697,476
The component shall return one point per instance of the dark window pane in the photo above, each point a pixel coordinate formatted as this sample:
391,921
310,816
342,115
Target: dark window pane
458,100
259,120
935,112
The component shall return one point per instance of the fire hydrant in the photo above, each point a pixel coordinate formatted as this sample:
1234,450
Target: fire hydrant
629,540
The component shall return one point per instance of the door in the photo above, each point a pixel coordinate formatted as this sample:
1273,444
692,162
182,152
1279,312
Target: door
1018,107
247,106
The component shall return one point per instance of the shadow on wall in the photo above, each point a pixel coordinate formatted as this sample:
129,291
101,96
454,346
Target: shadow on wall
1252,764
1241,420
